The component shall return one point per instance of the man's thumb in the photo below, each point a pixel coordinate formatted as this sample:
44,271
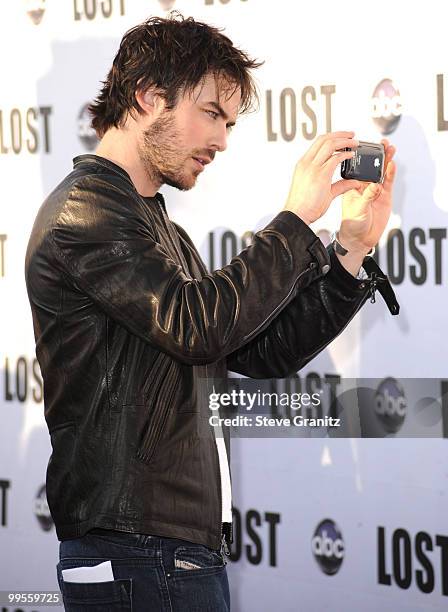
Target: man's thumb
372,191
344,185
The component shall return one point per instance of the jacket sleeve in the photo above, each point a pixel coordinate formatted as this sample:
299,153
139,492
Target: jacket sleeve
305,326
107,248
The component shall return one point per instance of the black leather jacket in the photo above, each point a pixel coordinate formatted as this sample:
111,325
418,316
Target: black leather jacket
127,319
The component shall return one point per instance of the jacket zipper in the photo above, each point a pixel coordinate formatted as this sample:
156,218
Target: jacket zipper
219,487
223,546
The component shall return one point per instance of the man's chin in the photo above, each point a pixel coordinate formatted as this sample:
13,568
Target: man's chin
183,184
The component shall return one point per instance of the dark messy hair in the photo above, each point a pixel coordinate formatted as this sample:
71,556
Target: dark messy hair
173,55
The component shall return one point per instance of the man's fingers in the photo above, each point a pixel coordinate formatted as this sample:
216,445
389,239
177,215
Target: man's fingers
324,138
389,165
330,147
333,162
390,151
389,176
344,185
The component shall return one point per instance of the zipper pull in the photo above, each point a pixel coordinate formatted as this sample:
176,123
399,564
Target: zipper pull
373,283
224,548
384,286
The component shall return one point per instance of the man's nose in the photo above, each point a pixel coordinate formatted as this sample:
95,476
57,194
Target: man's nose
219,141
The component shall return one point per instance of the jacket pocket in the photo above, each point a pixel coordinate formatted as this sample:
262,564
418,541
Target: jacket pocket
161,405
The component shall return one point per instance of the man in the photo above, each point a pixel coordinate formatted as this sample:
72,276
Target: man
128,321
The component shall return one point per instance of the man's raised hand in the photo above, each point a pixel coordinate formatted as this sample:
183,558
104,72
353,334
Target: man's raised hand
311,190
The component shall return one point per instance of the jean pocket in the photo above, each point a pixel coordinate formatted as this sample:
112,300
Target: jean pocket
113,596
194,560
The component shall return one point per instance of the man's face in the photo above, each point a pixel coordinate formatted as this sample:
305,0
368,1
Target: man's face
176,147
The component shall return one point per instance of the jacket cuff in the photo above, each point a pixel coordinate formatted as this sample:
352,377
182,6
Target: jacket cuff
343,277
376,280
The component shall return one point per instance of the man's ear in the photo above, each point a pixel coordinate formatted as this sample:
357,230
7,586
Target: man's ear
150,101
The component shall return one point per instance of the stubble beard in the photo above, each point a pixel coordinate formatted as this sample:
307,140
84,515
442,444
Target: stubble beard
162,155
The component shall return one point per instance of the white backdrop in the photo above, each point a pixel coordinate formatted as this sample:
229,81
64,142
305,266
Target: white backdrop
375,68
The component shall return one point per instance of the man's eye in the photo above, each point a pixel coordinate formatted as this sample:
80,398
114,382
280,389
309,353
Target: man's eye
212,114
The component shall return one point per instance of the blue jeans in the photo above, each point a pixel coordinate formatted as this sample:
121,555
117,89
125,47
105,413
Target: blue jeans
151,574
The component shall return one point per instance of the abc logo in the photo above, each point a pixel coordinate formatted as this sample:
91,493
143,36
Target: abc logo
328,546
390,405
86,133
41,509
386,107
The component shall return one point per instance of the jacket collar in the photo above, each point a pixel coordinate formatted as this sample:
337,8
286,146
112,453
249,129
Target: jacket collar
97,160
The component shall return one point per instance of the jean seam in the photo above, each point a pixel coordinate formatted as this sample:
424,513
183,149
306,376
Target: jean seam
165,579
131,596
